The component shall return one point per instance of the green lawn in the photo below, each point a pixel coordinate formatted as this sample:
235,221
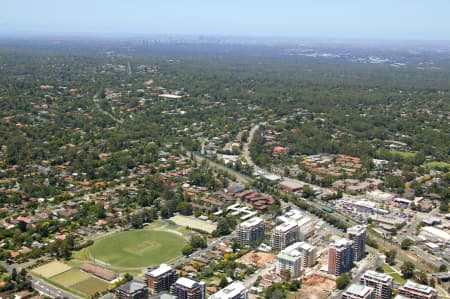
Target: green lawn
404,155
70,277
137,248
391,272
91,286
437,165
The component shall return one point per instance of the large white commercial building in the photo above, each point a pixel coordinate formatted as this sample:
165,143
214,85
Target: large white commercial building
435,234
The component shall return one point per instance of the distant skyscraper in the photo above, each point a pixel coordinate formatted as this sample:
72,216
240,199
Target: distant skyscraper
340,257
357,234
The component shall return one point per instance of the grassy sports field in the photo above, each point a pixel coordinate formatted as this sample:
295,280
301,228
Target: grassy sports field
137,248
191,222
90,286
51,269
70,277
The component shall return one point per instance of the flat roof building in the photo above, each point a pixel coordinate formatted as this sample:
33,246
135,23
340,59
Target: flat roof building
160,279
236,290
306,227
435,234
185,288
357,234
284,235
292,186
417,291
340,257
132,290
381,283
357,291
296,257
250,231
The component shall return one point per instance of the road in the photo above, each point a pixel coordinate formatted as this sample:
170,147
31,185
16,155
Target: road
403,255
49,290
97,104
251,279
422,260
245,149
242,178
199,252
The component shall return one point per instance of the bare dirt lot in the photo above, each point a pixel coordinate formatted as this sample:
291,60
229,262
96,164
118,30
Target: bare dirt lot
316,286
256,258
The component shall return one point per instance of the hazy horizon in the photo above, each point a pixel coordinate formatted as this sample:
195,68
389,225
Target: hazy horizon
384,20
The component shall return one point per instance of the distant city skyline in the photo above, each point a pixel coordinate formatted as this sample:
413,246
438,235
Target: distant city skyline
382,19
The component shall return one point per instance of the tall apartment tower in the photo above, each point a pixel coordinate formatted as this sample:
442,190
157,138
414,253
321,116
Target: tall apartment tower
381,283
340,257
296,257
132,290
250,231
284,235
185,288
160,279
309,253
357,234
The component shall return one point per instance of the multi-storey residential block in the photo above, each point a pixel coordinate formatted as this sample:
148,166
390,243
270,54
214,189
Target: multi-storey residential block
160,279
132,290
381,283
417,291
357,291
250,231
284,235
340,257
295,257
185,288
236,290
358,235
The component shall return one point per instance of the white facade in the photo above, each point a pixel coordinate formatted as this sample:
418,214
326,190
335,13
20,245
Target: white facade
296,257
435,234
236,290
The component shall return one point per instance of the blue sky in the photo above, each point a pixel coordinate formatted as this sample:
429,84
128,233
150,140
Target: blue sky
364,19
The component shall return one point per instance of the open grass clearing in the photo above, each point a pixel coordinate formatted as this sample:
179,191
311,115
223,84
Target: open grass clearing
437,165
51,269
391,272
90,286
191,222
137,249
70,277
